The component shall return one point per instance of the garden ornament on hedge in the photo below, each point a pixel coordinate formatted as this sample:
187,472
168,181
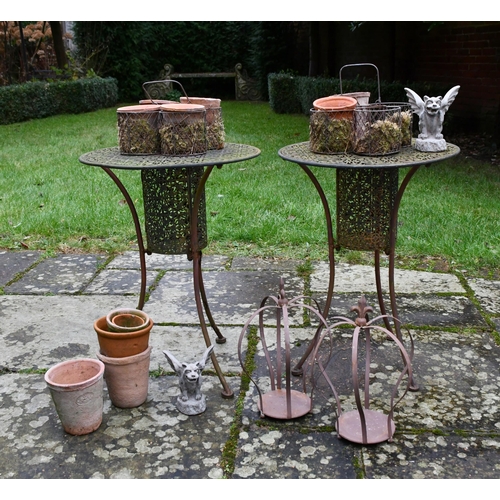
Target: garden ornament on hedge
431,111
190,401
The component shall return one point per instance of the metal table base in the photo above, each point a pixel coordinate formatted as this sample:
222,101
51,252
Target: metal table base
409,157
110,158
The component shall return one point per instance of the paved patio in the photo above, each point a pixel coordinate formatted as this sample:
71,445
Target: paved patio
449,428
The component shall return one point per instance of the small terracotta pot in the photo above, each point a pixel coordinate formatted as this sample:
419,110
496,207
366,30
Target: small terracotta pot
76,387
340,106
363,98
127,378
121,344
126,320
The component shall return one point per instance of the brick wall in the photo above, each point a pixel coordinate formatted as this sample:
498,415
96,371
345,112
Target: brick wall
449,53
465,54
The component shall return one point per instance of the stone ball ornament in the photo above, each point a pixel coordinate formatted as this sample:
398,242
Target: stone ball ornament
431,111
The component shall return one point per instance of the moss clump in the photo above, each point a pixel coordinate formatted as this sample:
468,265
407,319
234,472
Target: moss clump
328,134
216,133
379,138
185,138
137,135
406,128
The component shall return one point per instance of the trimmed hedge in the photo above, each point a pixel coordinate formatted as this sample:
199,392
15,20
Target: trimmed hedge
296,94
32,100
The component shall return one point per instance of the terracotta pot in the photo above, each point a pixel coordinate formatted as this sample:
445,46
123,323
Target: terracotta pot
127,378
340,106
363,98
76,387
126,320
121,344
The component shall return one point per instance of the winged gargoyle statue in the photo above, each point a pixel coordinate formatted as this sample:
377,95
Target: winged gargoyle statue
190,401
431,111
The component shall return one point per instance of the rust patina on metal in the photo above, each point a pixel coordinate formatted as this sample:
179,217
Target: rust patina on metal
284,400
363,425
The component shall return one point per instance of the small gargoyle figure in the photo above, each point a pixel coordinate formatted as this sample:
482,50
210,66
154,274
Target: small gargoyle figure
431,111
190,401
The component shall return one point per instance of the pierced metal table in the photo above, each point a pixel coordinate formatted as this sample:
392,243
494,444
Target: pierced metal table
367,202
190,173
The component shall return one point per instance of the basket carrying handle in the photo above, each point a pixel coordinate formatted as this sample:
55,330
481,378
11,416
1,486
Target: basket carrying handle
361,64
145,84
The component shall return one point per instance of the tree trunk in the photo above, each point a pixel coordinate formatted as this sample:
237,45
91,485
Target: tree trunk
59,49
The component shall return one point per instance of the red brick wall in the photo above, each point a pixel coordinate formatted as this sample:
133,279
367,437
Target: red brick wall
449,53
465,54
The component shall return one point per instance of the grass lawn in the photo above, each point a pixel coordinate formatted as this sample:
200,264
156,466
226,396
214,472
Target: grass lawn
449,216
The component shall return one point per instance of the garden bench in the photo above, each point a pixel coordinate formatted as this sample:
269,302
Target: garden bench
246,88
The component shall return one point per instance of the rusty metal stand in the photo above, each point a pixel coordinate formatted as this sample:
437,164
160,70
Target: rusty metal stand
110,158
351,164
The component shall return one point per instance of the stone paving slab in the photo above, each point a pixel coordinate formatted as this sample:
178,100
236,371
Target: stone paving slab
12,263
488,294
39,331
361,279
233,296
265,453
431,456
130,260
151,441
61,327
417,310
120,282
63,274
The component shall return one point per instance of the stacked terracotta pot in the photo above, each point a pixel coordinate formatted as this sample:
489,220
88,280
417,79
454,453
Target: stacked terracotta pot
123,337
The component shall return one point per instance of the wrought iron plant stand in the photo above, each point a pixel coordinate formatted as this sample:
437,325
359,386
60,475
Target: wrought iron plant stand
174,208
367,204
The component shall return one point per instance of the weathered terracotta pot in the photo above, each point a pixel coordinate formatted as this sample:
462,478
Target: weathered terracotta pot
341,106
126,320
127,378
363,98
76,387
121,344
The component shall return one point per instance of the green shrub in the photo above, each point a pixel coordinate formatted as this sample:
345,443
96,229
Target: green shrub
285,91
283,95
41,99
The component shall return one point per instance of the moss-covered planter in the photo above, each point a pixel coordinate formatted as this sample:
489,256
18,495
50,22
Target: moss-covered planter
215,124
377,130
138,129
329,134
183,129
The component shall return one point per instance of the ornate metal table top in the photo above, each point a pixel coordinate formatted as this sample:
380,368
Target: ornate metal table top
407,157
112,158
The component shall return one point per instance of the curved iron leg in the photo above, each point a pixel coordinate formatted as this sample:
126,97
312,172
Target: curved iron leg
198,282
138,232
298,370
379,290
392,257
220,338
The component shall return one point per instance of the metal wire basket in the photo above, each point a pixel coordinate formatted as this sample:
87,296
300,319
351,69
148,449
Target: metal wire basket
183,129
330,132
138,130
377,130
215,123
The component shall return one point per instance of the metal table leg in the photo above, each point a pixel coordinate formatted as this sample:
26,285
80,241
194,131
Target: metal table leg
199,290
